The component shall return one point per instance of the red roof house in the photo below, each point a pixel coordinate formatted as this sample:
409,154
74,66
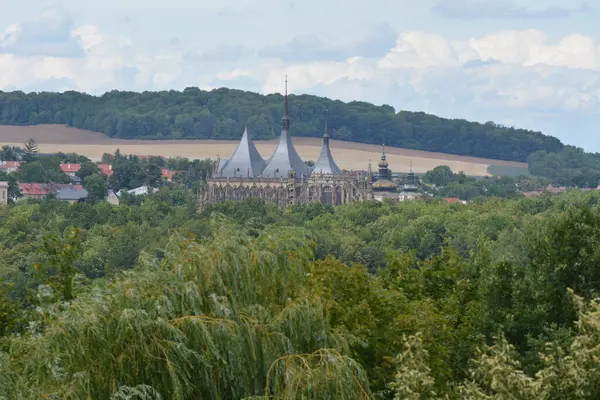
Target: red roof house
41,190
10,166
452,200
70,169
168,174
106,169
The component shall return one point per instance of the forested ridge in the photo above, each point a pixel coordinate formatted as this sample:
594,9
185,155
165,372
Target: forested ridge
570,167
223,113
154,299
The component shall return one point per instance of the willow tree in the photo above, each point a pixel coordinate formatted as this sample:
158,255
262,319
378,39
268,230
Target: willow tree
228,318
568,372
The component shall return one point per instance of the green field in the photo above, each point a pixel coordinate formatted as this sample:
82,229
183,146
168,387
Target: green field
506,170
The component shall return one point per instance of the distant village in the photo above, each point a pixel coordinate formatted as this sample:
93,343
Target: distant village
73,191
400,187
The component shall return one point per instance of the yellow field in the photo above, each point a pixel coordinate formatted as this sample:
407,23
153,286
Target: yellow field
348,155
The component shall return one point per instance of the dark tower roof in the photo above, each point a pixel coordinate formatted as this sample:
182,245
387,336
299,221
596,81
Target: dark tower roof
383,182
411,181
245,161
325,163
285,158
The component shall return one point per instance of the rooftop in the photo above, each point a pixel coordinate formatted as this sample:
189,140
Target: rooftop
245,161
325,163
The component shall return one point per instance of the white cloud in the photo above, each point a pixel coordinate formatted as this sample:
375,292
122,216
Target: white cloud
505,76
506,9
47,34
525,48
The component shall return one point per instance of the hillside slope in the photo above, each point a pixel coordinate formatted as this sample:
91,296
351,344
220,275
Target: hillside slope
348,155
222,114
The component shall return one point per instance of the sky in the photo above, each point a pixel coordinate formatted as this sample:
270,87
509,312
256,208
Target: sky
531,64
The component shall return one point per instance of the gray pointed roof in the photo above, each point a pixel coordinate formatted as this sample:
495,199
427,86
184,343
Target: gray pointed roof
245,161
285,158
325,163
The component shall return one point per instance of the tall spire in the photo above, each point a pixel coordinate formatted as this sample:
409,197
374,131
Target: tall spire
286,115
285,158
325,163
326,135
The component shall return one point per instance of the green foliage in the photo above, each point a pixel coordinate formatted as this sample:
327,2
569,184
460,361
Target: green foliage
130,172
508,170
9,312
60,255
97,187
10,153
72,158
87,168
413,380
571,166
42,170
223,113
441,176
225,319
449,184
419,300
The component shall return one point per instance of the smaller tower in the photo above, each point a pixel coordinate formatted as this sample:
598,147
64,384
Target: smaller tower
325,164
411,181
383,182
384,171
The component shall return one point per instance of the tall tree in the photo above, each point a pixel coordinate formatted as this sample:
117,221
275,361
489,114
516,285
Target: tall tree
60,254
43,170
30,150
87,168
97,187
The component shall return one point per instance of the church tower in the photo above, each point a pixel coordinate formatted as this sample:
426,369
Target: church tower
285,161
384,181
325,164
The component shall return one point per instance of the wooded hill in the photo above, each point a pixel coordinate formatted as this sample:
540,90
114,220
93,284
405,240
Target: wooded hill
223,113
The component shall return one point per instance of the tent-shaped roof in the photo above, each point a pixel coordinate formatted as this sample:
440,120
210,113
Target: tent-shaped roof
285,158
245,161
325,163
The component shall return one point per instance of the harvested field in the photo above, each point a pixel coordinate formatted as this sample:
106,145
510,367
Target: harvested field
348,155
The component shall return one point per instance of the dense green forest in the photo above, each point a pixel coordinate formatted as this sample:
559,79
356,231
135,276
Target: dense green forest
223,113
570,167
418,300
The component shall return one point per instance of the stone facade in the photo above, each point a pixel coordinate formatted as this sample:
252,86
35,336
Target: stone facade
327,189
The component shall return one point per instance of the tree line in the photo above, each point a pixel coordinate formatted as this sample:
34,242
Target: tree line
223,114
415,300
570,167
